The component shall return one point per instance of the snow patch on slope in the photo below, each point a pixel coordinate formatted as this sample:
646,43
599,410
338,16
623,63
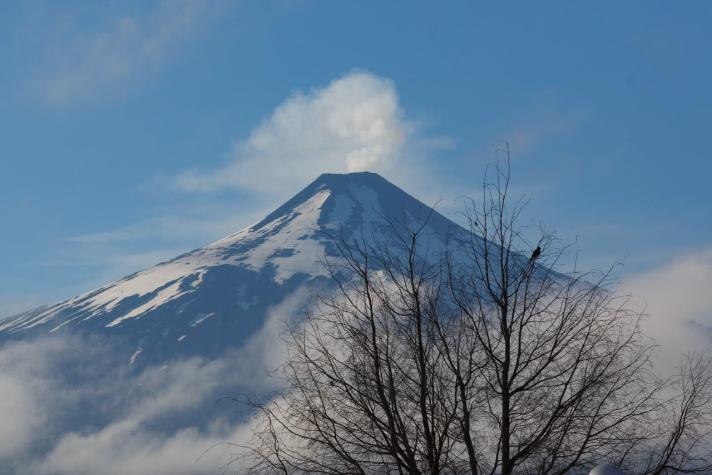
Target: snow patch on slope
287,244
290,241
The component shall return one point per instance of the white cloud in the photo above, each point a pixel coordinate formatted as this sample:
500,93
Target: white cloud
65,411
353,124
128,446
22,417
680,288
87,65
677,298
26,379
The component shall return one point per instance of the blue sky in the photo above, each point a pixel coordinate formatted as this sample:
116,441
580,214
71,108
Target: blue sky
133,131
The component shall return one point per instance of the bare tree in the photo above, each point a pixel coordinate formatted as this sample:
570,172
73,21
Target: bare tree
475,354
369,389
682,442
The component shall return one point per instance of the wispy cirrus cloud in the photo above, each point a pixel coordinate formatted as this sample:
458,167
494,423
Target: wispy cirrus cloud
85,65
539,129
13,303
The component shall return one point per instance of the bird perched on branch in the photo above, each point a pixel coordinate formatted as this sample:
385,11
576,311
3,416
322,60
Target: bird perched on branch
535,254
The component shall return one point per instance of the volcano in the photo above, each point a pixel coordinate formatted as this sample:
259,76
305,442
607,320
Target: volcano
214,298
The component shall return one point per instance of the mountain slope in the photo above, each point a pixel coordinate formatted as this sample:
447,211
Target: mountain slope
213,298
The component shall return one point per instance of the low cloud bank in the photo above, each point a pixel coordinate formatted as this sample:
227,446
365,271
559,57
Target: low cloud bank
69,407
677,298
104,419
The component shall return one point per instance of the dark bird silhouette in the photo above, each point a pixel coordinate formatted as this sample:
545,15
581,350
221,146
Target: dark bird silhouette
535,254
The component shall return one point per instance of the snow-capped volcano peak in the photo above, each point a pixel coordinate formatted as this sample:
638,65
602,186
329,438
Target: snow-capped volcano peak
214,297
342,200
292,238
